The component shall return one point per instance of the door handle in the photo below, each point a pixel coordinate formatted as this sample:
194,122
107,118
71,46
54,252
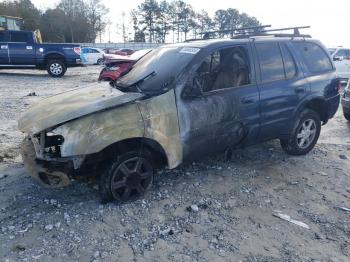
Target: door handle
4,47
28,47
247,100
300,89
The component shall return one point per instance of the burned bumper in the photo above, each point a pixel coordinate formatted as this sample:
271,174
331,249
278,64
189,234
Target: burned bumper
46,172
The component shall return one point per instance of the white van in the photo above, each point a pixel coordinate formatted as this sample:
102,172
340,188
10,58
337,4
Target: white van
341,60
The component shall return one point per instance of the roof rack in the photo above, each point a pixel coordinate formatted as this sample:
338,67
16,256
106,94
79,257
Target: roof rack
234,31
246,32
296,33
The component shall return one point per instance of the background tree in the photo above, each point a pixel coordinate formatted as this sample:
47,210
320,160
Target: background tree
53,26
158,20
96,12
148,13
205,22
164,21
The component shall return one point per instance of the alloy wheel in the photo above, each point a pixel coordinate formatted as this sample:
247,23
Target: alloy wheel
56,68
131,178
306,133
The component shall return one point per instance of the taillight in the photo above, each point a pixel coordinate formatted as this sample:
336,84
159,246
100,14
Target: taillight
77,50
340,84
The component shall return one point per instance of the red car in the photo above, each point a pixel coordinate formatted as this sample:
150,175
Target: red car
122,51
117,65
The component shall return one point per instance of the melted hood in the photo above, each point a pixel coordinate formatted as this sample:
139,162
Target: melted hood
70,105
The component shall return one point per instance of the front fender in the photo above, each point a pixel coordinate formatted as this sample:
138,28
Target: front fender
91,134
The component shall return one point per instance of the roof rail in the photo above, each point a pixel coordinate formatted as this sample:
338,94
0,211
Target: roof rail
296,33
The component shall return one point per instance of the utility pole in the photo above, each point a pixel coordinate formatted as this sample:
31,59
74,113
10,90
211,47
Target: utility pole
123,27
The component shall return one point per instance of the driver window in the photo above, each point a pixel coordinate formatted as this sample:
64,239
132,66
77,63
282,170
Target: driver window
225,68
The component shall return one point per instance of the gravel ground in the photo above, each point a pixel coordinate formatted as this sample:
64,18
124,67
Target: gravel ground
212,210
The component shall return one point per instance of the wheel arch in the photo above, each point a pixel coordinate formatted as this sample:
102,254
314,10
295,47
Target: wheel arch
54,56
159,156
318,104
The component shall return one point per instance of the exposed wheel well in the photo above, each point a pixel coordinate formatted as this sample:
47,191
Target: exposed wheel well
96,162
320,106
54,56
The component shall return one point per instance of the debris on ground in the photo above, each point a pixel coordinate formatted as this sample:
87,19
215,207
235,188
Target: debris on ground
193,208
322,173
344,209
344,157
289,219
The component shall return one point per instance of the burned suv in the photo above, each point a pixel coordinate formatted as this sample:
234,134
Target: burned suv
181,102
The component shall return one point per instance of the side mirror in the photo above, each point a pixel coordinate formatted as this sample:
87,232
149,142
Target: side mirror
338,58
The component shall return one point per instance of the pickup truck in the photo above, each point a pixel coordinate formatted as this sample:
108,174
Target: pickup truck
24,50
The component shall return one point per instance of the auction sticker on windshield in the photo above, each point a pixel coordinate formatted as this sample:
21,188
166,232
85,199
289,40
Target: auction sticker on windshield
190,50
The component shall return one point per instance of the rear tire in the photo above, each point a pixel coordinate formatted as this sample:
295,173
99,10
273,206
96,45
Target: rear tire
347,116
304,134
56,68
129,176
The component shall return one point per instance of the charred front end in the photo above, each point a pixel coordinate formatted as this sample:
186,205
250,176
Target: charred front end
41,155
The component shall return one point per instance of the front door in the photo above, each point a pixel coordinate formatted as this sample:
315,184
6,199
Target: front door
21,48
219,106
4,51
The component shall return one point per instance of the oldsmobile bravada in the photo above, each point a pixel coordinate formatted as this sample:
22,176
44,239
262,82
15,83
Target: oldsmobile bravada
179,103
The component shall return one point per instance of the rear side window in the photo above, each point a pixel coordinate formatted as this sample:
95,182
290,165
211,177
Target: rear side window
93,51
288,61
19,37
315,58
271,63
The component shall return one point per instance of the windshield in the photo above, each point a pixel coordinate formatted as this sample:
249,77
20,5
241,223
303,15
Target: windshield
331,50
158,69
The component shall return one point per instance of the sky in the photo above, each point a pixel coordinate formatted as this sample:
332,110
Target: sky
329,20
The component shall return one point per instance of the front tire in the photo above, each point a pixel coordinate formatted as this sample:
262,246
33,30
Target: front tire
56,68
129,176
304,134
100,61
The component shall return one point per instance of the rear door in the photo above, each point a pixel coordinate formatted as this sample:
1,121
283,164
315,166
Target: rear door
4,51
95,55
22,48
281,86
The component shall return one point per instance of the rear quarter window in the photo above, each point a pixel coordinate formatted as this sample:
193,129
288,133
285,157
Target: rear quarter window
19,37
315,58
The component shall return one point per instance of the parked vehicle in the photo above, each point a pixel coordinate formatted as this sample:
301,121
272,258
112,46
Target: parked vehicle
10,23
24,50
345,101
116,65
181,102
122,51
92,56
341,60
